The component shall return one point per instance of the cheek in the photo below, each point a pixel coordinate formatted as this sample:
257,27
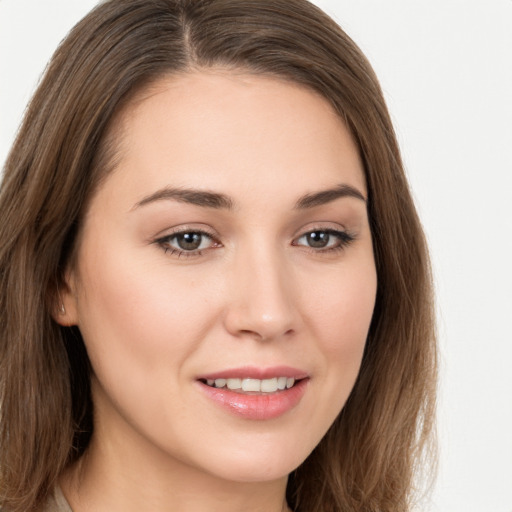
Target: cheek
141,318
341,309
340,314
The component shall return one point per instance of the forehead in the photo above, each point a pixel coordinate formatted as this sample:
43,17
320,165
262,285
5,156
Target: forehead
230,128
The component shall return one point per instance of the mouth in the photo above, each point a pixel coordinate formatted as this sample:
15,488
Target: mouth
251,386
256,394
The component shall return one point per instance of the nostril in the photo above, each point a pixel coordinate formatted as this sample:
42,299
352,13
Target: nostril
265,334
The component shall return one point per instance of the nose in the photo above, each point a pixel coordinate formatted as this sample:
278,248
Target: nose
261,300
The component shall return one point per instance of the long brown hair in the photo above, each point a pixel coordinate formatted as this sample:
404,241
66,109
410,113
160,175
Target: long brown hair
368,459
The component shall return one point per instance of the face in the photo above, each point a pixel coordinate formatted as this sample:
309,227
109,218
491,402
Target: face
224,281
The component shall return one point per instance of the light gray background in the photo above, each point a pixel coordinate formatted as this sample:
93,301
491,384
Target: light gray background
446,70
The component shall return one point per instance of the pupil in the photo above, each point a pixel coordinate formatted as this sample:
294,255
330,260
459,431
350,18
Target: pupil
189,241
318,239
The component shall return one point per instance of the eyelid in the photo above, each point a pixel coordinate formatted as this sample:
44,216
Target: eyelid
344,239
163,240
186,228
344,236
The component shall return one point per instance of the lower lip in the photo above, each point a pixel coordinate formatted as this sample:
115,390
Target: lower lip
257,406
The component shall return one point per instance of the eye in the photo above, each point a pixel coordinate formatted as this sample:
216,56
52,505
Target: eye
191,241
187,242
324,239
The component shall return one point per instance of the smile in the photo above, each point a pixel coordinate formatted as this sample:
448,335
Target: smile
250,385
254,393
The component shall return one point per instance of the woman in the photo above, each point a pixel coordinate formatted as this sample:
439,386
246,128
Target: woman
215,289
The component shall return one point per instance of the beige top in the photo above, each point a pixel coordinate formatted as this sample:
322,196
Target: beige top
57,502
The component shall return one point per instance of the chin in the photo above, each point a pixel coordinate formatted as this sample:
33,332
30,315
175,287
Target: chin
257,462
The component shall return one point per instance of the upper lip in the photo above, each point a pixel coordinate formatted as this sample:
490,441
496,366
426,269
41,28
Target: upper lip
253,372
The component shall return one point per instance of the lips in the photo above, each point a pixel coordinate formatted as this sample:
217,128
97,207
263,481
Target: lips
253,372
255,393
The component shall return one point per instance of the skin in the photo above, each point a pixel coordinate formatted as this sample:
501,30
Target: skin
257,294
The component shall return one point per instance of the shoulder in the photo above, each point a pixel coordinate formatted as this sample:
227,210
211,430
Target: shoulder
57,502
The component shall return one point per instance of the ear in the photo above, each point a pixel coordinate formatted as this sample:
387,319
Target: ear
64,308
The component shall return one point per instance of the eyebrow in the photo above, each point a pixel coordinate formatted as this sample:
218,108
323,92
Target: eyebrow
202,198
216,200
327,196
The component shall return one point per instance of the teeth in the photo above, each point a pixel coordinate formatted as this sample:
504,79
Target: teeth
254,385
251,385
234,383
269,385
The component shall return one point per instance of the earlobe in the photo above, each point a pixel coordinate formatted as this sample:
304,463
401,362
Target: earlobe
64,307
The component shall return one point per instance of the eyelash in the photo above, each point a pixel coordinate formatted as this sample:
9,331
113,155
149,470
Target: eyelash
166,240
344,240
